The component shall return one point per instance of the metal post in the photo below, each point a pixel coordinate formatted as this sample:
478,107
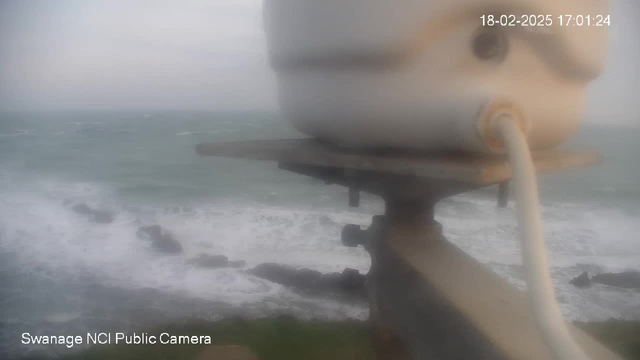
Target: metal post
428,299
410,319
503,194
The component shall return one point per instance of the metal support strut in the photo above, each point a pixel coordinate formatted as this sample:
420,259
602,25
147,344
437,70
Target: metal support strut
428,299
405,310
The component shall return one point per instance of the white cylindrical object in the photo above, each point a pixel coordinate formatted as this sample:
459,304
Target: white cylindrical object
414,73
551,324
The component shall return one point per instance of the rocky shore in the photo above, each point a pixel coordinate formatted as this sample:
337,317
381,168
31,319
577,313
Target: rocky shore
284,337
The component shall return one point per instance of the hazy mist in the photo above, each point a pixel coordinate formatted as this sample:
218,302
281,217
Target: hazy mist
198,54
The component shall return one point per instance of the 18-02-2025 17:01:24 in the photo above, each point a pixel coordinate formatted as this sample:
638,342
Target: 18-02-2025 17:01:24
546,20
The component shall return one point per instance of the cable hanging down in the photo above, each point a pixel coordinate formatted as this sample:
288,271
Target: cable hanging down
550,322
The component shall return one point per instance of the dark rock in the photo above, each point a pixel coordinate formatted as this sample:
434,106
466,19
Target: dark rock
161,240
627,279
95,215
328,284
211,261
216,262
82,209
304,279
581,281
350,282
149,232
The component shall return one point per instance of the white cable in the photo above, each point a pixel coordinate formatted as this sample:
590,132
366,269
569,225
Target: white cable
547,313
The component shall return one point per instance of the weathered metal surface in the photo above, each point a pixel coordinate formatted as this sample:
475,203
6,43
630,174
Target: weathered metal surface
427,324
475,313
388,186
428,299
473,169
503,194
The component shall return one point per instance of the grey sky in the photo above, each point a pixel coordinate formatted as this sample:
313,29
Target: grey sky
197,54
206,54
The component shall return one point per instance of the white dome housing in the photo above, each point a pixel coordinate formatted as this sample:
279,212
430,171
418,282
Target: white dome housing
424,74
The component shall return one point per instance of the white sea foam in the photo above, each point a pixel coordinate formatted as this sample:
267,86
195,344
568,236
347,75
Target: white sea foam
579,237
44,232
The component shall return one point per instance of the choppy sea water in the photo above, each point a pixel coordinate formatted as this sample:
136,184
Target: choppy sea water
60,274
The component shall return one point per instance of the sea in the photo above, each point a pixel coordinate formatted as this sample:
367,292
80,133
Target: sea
61,274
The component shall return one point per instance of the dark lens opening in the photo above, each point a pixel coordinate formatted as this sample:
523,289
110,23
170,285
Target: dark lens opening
490,44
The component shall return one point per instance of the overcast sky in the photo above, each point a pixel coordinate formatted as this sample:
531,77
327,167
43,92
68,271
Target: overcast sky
196,54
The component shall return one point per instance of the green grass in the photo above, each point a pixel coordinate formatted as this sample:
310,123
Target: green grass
270,339
623,337
289,339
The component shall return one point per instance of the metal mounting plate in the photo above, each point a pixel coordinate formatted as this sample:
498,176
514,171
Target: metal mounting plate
473,169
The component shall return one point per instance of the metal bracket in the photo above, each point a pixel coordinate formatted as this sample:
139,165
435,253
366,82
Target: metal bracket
428,299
